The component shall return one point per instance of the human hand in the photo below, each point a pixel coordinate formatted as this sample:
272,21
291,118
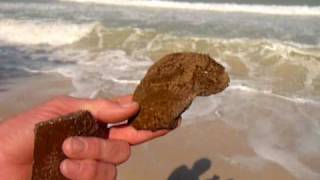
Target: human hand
97,159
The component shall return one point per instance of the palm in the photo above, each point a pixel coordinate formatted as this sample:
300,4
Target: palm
17,137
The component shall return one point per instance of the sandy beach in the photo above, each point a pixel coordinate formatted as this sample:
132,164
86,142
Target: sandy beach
220,151
21,94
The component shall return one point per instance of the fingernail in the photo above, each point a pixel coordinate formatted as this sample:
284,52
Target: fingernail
77,145
130,104
70,167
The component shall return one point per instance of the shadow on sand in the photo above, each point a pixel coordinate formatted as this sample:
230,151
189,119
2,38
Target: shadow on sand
198,168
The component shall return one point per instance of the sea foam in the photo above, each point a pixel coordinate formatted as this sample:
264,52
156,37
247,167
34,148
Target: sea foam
34,32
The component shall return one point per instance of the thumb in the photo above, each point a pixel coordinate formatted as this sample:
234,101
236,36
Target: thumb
110,111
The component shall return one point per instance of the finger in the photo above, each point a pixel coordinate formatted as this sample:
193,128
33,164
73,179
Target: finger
109,151
88,170
133,136
123,99
111,112
102,109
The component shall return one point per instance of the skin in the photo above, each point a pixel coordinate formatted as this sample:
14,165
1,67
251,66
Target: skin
88,158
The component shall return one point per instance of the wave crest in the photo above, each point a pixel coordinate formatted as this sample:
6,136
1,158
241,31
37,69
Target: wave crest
33,32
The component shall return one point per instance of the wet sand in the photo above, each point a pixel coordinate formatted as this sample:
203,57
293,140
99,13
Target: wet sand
212,147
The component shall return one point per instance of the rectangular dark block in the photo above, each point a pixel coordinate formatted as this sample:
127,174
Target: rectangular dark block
49,137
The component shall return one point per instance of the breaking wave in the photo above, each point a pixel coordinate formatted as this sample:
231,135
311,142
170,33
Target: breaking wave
33,32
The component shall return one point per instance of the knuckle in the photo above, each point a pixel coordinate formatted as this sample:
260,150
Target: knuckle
94,147
102,102
120,150
106,172
59,101
112,148
112,173
112,151
109,172
99,105
126,149
89,169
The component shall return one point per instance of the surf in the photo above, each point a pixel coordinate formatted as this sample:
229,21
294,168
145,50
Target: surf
28,32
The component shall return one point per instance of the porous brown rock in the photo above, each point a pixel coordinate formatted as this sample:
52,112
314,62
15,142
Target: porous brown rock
171,84
49,137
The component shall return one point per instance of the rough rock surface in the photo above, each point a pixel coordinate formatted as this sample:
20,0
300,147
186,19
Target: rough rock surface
49,137
171,84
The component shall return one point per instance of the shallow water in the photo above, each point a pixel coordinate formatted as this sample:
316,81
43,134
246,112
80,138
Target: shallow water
272,53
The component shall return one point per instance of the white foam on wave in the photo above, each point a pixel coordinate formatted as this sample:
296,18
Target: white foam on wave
277,128
285,158
33,32
208,107
107,71
270,93
259,9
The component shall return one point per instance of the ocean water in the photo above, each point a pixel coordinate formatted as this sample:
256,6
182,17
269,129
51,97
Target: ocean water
270,48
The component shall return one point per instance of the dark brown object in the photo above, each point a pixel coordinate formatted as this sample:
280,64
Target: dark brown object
171,84
49,137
